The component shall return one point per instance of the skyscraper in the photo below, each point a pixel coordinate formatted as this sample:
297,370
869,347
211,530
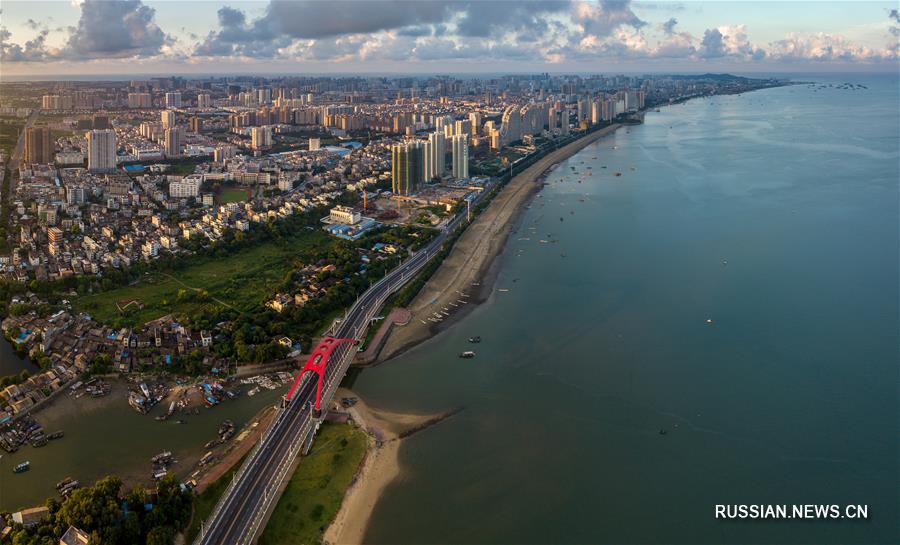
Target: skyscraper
435,152
101,150
173,100
203,100
407,167
460,147
261,137
37,145
168,118
173,141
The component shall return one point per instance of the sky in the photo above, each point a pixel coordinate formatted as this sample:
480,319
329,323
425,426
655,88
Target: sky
162,37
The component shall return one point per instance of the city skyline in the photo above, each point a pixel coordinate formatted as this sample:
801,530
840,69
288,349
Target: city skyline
81,38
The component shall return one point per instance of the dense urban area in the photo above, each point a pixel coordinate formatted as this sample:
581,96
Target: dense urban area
169,232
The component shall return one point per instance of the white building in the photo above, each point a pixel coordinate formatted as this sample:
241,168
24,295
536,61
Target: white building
101,150
203,100
460,147
345,215
189,186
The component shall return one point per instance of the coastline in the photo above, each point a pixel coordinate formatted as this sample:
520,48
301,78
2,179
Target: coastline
472,259
472,265
380,468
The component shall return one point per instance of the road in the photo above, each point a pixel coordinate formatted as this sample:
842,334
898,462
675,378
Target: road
241,512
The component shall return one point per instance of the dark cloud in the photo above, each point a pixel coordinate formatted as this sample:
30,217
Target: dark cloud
603,18
124,28
486,19
713,44
669,26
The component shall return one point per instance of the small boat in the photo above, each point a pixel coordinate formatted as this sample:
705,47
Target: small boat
663,432
475,339
24,466
467,354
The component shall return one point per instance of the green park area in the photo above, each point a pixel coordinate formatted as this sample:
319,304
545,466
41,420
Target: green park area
231,194
241,280
313,495
9,134
315,492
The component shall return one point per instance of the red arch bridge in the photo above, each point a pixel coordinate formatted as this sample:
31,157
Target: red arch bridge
317,363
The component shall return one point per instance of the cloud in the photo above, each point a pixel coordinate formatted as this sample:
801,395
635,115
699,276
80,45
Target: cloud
124,28
669,26
823,47
105,29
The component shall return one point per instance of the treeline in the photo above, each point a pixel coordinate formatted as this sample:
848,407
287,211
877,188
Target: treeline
112,517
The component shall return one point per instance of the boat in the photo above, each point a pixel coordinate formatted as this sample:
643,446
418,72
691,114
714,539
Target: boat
467,354
24,466
475,339
56,435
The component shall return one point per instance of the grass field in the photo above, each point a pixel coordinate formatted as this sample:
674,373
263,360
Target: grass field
231,194
242,280
9,136
314,494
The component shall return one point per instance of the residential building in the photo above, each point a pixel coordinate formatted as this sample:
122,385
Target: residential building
101,150
38,148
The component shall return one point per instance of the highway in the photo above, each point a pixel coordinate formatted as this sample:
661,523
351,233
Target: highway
242,510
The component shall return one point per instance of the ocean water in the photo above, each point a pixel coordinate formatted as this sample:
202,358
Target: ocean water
736,287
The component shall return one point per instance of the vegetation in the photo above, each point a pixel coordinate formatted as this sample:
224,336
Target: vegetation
111,517
315,492
231,194
241,280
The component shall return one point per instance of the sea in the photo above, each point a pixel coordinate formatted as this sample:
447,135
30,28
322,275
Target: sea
717,325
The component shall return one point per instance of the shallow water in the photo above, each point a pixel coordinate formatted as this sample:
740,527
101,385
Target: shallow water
773,214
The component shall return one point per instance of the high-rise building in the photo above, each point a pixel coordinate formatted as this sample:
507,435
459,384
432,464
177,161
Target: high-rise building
139,100
174,139
168,118
37,145
475,123
101,150
222,153
196,125
407,167
261,137
460,147
315,144
435,152
203,100
173,100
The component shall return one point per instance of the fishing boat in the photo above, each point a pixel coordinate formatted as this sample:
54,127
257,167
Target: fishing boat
24,466
467,354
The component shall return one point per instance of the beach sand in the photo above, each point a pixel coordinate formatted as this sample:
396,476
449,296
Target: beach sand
380,468
471,266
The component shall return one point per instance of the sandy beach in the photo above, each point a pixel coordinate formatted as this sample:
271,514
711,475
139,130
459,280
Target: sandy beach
471,266
379,469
